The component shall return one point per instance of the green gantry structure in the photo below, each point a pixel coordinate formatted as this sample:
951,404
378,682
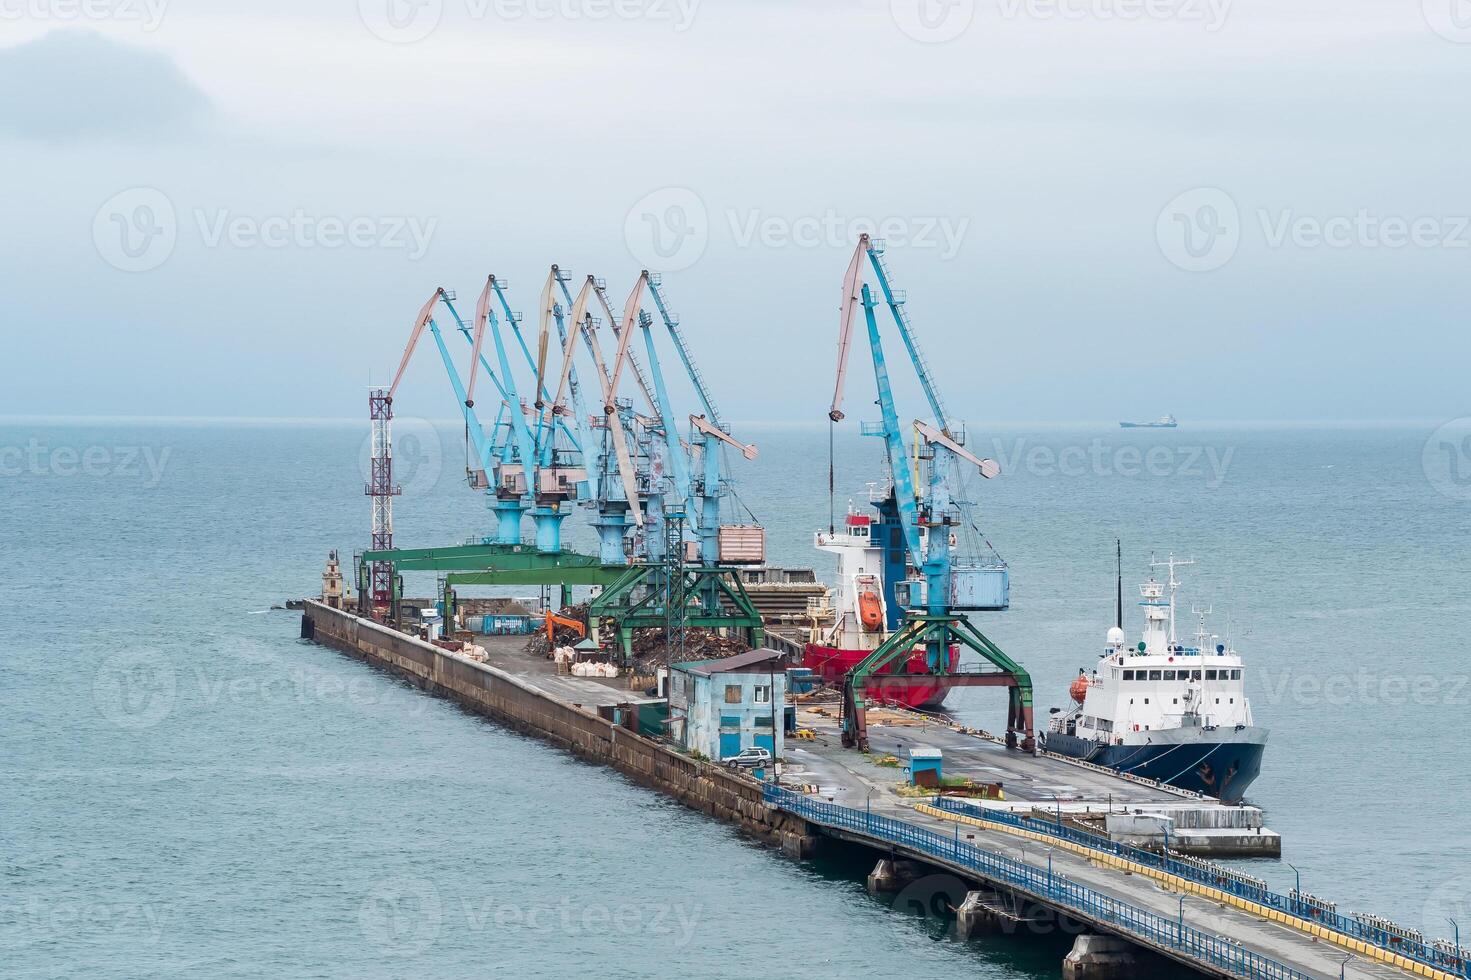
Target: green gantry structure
658,596
937,634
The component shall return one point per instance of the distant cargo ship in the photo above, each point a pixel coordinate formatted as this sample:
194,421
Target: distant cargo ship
1163,710
1163,422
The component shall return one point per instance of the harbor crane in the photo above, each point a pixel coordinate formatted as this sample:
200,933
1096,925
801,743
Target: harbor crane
943,585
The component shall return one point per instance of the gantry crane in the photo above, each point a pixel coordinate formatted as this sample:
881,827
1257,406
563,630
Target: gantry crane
945,585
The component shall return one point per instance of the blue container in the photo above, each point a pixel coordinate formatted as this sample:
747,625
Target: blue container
984,589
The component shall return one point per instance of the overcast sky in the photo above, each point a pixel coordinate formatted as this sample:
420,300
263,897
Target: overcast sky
1100,208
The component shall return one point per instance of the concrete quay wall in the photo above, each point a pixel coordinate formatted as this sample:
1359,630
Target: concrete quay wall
706,787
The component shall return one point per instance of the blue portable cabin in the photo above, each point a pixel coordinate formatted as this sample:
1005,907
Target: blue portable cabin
719,707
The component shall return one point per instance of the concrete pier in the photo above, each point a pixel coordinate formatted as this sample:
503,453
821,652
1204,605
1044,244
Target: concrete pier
1033,879
891,876
1095,957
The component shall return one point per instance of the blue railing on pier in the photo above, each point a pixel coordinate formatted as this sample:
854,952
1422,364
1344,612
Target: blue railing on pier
1223,880
1153,930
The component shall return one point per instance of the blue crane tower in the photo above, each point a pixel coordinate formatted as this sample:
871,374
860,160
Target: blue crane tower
944,585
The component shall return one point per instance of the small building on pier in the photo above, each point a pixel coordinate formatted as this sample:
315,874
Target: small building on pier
719,707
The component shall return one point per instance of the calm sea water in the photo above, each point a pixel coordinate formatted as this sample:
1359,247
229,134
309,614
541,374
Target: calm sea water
189,789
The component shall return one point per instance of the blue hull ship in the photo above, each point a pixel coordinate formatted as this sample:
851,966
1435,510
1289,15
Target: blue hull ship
1164,710
1223,769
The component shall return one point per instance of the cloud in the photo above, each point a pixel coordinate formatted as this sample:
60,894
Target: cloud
79,85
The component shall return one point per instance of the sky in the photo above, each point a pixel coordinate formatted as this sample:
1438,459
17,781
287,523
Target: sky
1099,209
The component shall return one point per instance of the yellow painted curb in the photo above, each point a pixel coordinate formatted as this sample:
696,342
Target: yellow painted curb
1185,885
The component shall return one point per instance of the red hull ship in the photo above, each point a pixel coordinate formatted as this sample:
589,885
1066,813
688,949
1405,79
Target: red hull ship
832,665
860,615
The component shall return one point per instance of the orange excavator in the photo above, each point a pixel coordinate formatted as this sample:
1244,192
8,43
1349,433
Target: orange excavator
553,621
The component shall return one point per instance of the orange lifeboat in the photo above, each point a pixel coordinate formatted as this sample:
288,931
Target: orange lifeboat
870,610
1079,689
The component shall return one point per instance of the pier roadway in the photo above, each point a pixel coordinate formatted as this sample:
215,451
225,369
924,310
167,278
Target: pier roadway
1287,946
851,779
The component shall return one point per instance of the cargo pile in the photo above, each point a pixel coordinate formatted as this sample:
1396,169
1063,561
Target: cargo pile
539,645
652,647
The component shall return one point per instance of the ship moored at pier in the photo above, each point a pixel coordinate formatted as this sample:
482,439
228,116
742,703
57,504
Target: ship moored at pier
1163,710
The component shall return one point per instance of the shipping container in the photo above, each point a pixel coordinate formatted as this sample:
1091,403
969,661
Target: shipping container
742,544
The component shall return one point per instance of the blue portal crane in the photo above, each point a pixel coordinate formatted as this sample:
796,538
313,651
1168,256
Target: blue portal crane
945,585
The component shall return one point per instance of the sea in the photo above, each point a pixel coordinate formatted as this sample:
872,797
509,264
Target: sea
186,788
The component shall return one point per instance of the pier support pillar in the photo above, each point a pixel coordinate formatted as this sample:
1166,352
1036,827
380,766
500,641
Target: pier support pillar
975,917
890,875
1100,958
798,846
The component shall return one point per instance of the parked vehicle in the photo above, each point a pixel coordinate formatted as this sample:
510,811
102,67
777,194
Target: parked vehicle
752,757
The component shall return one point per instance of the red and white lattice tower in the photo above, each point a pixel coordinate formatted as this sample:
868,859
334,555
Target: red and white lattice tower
382,489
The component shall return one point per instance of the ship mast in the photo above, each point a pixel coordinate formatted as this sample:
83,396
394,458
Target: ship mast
1172,563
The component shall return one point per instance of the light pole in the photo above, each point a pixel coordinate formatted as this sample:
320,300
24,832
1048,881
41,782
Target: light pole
1181,935
1297,891
1051,883
1456,926
1343,967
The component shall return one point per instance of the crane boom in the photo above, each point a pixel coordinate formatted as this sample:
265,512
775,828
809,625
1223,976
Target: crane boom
851,281
421,321
988,467
747,450
633,364
615,428
630,323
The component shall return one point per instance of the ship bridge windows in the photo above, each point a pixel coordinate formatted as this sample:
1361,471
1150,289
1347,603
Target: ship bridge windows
1155,675
1169,675
1128,675
1210,675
